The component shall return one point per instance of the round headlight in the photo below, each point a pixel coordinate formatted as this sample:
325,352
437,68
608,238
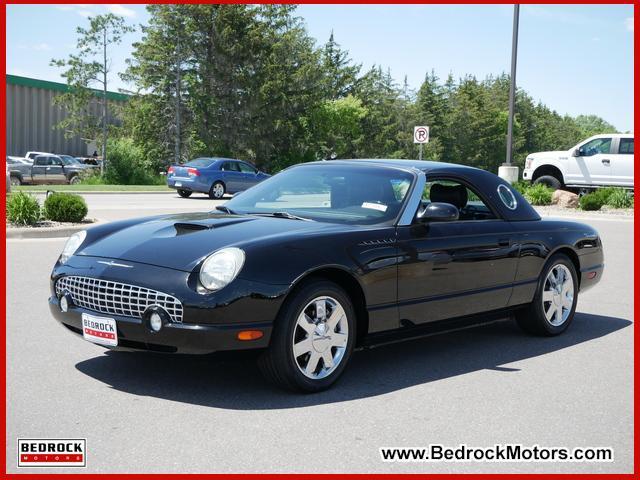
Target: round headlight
72,245
220,268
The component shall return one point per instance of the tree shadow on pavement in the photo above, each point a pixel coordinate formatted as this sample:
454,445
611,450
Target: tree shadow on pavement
232,381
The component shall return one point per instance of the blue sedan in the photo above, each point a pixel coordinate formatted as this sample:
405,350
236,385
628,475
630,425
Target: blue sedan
213,176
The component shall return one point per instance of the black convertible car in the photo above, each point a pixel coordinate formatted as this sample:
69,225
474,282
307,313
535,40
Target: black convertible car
323,258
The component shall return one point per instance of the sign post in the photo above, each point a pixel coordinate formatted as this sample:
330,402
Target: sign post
421,136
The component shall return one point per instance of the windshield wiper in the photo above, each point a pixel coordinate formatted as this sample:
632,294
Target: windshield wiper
288,215
224,209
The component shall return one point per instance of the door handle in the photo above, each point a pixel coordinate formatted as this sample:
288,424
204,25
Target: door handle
48,168
606,161
504,242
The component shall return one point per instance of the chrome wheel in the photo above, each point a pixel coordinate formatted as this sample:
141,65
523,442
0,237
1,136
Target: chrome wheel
557,295
218,190
320,337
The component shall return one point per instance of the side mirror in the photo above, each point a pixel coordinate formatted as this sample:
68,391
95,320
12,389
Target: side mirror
577,153
438,212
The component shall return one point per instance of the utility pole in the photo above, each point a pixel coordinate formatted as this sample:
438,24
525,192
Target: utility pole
104,101
178,101
507,170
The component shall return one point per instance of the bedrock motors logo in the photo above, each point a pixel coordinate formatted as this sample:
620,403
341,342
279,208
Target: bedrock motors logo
52,452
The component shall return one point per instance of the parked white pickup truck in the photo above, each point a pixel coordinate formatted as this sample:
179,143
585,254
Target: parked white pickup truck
601,160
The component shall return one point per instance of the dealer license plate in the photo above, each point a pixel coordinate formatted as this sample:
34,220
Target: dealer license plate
99,330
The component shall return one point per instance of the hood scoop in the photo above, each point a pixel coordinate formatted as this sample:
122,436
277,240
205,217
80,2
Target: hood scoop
191,227
184,228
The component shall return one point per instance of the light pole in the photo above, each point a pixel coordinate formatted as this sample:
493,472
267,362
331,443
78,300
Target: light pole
508,171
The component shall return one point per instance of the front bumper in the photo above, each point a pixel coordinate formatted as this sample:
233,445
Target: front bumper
527,174
133,334
210,322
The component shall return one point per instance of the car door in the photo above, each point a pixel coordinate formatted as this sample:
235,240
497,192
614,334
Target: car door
592,163
55,170
231,176
39,169
622,162
249,174
455,268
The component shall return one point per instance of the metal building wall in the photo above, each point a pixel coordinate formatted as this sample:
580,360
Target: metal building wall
31,118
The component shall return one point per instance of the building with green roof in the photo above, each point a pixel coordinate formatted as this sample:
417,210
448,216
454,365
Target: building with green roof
32,117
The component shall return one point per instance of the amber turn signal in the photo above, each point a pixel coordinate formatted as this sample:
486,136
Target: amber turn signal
250,335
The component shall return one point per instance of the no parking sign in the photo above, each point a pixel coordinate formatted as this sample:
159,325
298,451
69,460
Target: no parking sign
421,134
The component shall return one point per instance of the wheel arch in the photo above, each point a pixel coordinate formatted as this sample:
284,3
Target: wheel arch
548,169
346,280
573,256
215,180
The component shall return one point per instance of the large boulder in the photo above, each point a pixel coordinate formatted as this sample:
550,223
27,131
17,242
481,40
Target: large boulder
564,199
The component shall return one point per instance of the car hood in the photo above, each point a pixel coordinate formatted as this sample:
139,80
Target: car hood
182,241
538,155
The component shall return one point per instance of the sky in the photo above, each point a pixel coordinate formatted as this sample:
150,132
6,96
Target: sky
577,59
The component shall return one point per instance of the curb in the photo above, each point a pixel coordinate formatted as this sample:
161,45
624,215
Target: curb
51,232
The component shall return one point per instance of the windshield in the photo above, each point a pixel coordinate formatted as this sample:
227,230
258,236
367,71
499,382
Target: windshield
200,162
358,195
68,160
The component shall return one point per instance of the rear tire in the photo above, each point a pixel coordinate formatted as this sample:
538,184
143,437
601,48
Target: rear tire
554,304
549,181
184,193
217,190
309,356
15,181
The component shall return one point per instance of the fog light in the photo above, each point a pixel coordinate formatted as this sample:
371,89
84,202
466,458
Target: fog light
64,303
155,321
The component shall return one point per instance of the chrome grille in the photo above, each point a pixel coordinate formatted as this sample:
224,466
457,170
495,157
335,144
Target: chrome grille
117,298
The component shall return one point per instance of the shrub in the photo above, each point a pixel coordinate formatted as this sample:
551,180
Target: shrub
65,207
126,164
94,178
619,198
591,201
538,194
605,193
23,209
521,186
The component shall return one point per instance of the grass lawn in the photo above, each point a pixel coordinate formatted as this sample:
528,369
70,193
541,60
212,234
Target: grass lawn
93,188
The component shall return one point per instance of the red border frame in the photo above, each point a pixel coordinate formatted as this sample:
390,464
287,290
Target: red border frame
3,259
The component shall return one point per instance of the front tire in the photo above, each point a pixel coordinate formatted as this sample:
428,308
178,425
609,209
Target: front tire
184,193
549,181
217,191
554,304
15,181
74,180
312,340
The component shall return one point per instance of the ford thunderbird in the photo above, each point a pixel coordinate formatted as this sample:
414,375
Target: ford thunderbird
322,259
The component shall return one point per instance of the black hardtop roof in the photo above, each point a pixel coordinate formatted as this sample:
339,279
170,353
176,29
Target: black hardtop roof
486,182
424,165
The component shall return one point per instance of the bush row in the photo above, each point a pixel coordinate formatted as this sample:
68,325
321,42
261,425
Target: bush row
24,209
610,196
614,197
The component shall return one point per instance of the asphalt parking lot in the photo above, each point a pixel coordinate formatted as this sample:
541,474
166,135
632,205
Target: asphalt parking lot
484,386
